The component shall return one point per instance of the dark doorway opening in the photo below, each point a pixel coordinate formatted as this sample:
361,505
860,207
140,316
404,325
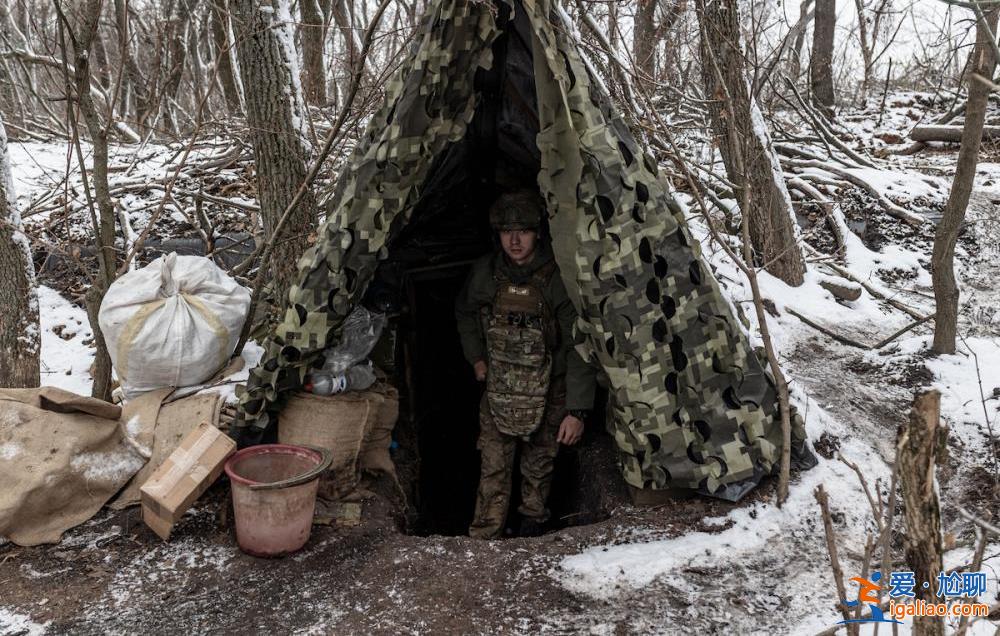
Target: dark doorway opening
442,404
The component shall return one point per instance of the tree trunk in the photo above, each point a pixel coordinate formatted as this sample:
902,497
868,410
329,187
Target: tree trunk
644,38
745,144
103,70
313,37
866,48
134,82
20,335
983,64
352,46
795,63
917,447
223,56
178,50
104,239
821,63
276,116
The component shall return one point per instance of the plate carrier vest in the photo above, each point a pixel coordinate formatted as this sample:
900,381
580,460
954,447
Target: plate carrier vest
521,334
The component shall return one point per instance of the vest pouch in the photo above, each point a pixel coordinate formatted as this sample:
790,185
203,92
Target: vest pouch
518,379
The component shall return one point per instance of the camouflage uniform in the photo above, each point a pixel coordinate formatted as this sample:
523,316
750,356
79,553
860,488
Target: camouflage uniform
571,387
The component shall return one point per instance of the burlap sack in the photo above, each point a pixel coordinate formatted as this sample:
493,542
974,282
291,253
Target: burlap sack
64,456
374,456
339,423
174,420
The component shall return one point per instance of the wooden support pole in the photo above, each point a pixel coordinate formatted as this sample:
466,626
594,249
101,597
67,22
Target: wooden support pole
918,445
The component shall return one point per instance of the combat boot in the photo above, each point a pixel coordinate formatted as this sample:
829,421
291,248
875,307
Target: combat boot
531,527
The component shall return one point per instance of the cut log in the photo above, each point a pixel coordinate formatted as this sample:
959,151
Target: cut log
841,287
951,134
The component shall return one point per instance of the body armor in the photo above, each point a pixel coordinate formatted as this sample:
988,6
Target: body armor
520,334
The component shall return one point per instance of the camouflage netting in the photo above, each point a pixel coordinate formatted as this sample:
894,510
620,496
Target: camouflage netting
692,405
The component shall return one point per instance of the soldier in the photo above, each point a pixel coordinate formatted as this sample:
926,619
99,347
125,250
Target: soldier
515,321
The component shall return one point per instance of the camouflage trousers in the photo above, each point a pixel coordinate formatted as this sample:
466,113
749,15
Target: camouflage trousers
498,451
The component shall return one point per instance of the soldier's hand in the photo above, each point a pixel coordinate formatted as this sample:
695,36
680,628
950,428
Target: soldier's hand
480,368
570,431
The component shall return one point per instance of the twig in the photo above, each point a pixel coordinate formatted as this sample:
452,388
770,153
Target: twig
876,512
818,327
977,563
986,413
831,548
982,523
909,327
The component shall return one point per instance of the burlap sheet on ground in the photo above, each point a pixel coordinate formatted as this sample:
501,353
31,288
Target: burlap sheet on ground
63,457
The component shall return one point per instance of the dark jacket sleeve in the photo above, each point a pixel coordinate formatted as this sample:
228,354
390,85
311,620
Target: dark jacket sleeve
581,378
476,292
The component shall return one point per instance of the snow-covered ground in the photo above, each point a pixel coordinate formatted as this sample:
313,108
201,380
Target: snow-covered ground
768,571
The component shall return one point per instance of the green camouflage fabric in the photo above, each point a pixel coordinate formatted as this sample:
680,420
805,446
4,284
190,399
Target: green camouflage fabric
692,405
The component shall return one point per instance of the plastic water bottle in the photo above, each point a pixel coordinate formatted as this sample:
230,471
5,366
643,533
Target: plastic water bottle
356,378
325,383
359,377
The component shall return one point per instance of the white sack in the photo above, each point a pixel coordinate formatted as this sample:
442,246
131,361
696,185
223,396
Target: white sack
172,323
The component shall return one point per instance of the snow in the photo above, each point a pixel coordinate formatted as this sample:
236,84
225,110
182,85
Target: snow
969,383
251,355
775,559
115,466
759,128
66,360
163,563
285,34
10,450
15,623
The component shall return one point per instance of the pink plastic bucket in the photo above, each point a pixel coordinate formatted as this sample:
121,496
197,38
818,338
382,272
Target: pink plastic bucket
274,496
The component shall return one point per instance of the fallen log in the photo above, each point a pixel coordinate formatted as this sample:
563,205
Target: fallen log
951,134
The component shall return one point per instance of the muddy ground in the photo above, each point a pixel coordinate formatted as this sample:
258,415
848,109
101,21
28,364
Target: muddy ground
113,575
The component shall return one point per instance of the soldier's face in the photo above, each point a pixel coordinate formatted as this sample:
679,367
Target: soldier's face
518,245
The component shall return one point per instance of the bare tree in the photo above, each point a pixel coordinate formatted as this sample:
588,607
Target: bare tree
795,61
179,21
80,27
277,118
821,62
20,343
874,24
224,56
343,13
313,37
648,31
982,64
745,143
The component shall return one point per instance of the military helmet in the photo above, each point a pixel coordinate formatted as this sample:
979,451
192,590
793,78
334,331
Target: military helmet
519,210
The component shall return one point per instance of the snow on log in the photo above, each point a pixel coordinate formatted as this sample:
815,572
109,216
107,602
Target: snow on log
951,134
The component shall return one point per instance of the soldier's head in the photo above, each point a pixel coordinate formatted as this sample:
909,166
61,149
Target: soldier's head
517,217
